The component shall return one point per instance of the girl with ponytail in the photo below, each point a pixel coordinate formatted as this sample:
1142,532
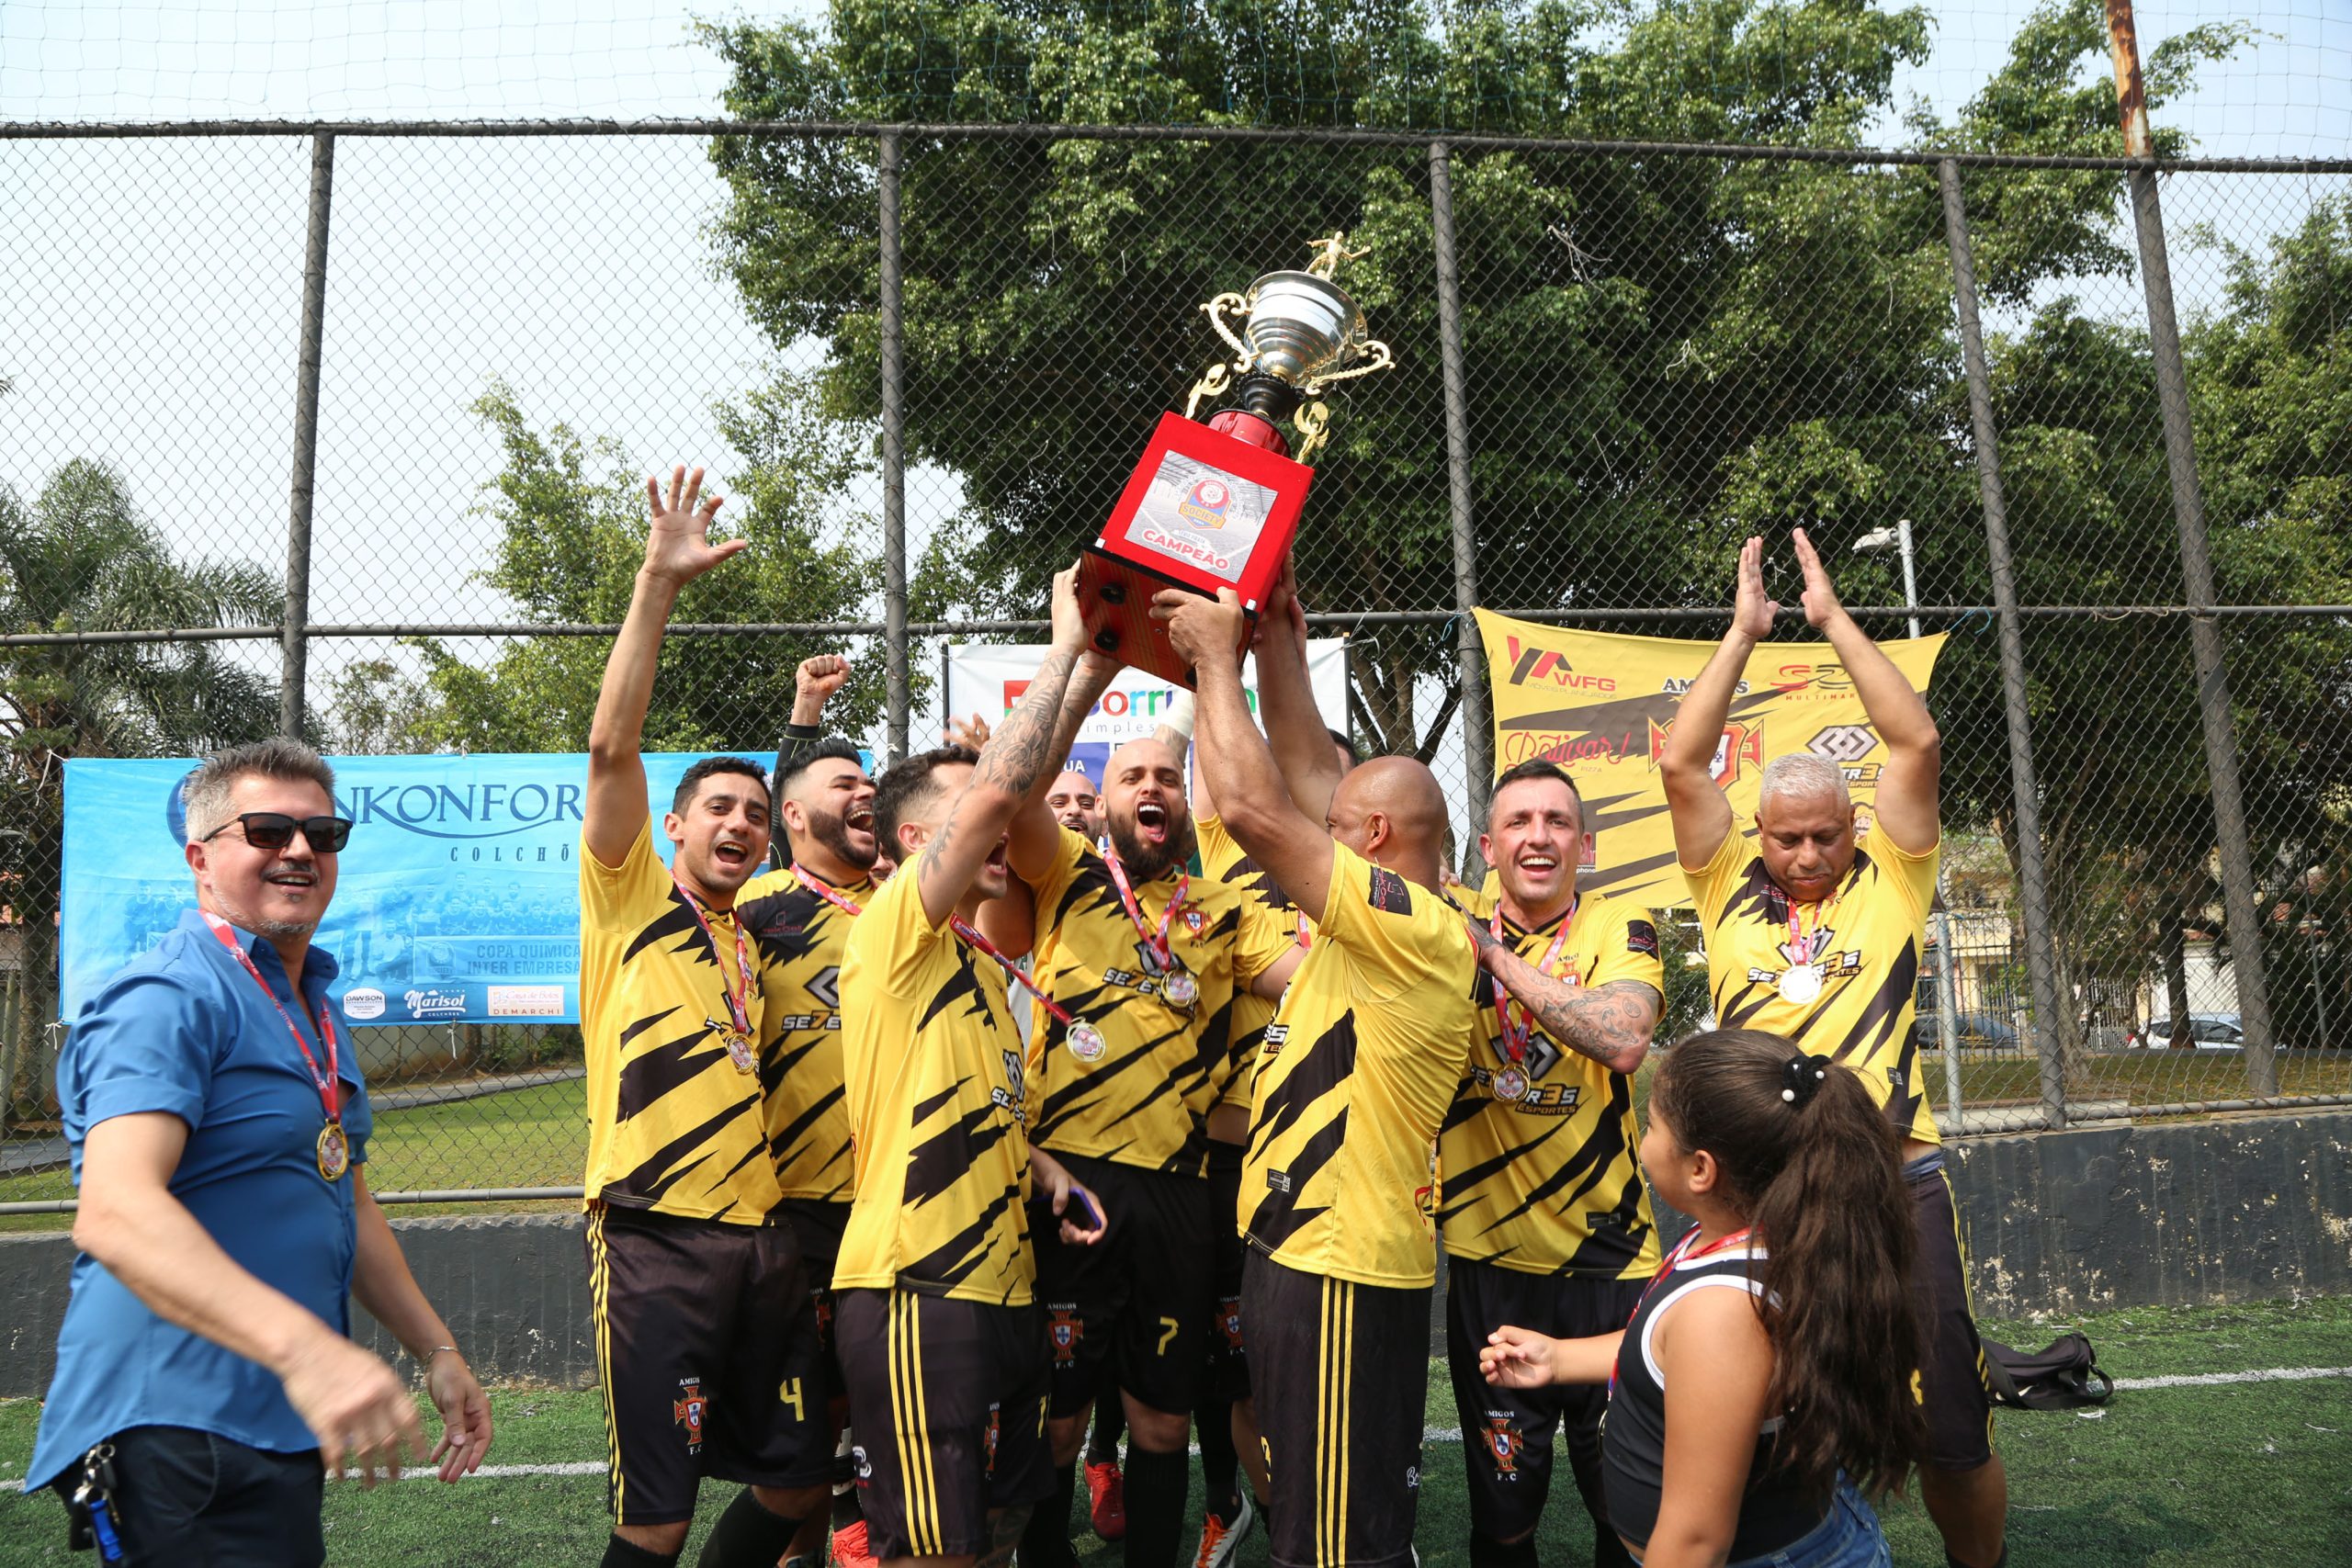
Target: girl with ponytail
1747,1422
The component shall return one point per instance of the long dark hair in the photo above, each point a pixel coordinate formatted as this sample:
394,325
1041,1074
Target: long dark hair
1811,1162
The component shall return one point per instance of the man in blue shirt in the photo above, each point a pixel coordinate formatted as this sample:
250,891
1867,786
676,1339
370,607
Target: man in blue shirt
218,1126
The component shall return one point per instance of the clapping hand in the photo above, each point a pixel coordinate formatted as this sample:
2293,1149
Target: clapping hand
1753,609
1821,606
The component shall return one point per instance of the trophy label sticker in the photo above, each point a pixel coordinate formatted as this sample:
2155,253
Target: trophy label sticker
1202,516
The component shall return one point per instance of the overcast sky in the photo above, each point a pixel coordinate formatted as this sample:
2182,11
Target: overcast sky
149,289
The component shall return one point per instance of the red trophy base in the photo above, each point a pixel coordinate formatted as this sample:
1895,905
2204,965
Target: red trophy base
1210,506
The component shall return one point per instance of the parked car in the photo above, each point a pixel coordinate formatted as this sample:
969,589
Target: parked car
2207,1031
1977,1031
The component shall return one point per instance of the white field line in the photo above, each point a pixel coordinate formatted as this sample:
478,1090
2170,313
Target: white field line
1454,1434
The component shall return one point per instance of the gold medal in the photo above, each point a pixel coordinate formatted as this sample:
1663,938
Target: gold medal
740,1052
1086,1042
1510,1085
1181,988
334,1152
1799,983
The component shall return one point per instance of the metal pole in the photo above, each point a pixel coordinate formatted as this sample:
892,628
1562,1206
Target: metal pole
2041,948
1477,720
294,637
1947,978
894,453
2241,896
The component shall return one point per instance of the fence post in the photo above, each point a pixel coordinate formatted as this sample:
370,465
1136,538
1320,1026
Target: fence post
894,451
2241,899
294,641
2040,946
1477,722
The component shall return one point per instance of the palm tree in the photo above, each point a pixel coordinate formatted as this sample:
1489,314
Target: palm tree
81,559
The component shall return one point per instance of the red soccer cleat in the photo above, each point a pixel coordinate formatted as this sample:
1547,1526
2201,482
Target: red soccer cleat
850,1548
1108,1489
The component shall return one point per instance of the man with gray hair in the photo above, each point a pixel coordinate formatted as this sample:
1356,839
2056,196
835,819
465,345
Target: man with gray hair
1816,937
218,1123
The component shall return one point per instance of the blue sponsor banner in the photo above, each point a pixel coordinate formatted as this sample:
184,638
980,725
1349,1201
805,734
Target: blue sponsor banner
457,901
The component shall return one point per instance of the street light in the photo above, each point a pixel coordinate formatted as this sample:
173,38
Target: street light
1947,984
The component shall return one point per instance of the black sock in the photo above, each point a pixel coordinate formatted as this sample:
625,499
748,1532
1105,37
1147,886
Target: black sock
747,1536
1110,1420
845,1509
2002,1562
1044,1540
1156,1487
620,1553
1220,1463
1486,1551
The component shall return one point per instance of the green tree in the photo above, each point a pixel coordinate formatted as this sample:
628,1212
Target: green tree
570,511
79,557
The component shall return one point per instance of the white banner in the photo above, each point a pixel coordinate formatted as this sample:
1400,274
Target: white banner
990,679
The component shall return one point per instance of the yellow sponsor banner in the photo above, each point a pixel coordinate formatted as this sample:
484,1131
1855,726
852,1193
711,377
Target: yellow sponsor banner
1599,704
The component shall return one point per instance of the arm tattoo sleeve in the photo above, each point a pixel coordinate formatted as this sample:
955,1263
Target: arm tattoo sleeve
1609,1023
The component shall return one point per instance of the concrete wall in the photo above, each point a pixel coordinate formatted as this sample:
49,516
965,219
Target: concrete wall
2062,1222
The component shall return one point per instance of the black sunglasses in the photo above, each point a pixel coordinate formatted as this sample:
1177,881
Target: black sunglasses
275,830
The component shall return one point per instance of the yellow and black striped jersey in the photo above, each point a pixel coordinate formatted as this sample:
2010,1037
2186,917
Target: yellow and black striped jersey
801,936
1353,1080
1873,932
1550,1181
1222,860
934,1071
674,1125
1132,1078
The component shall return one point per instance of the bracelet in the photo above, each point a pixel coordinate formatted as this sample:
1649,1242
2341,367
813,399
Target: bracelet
428,1356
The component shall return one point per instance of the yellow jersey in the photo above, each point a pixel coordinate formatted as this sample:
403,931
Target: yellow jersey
802,936
1538,1167
674,1125
933,1072
1223,860
1133,1076
1871,934
1354,1078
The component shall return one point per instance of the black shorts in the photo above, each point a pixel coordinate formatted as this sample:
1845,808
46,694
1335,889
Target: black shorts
1341,1380
1507,1432
1133,1309
182,1495
710,1364
947,1411
818,1225
1953,1387
1228,1358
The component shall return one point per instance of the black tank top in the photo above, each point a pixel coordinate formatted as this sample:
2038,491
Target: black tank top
1774,1512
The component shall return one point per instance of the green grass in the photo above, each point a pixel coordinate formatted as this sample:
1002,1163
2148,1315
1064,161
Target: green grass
2232,1476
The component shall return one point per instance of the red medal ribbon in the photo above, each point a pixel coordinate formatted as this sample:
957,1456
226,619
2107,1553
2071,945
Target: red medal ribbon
1801,945
328,1086
817,885
738,994
1159,939
1682,1253
973,939
1517,1035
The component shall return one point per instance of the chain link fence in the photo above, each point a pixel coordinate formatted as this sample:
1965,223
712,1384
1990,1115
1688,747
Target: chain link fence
924,359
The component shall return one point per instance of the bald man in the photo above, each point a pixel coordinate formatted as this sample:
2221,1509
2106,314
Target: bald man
1353,1079
1074,802
1817,933
1136,963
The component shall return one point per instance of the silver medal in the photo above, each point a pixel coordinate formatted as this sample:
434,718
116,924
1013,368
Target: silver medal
1800,983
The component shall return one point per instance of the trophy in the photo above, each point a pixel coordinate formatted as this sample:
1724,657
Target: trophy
1215,505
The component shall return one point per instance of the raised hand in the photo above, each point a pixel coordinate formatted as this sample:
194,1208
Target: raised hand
970,732
820,676
1070,634
677,545
1203,630
1821,606
1753,609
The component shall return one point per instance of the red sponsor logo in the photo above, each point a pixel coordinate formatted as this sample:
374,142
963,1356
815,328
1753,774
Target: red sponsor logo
1563,747
1742,745
1529,662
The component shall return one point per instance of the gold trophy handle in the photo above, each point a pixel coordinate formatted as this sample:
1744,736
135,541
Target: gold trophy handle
1377,358
1314,425
1216,309
1213,381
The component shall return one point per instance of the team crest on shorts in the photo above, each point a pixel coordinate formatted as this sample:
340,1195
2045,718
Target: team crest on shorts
996,1425
1503,1445
690,1410
1230,1321
1067,1329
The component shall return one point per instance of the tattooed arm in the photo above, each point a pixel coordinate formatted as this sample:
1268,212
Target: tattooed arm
1036,838
1018,755
1609,1023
